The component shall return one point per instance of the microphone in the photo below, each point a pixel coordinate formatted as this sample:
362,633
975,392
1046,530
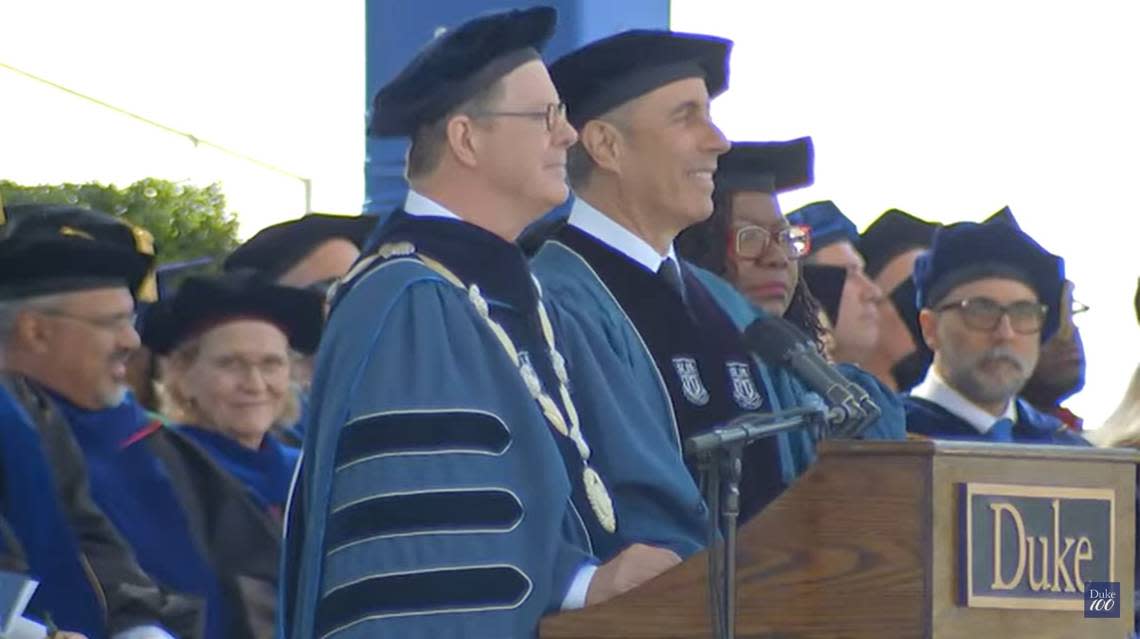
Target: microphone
777,341
749,427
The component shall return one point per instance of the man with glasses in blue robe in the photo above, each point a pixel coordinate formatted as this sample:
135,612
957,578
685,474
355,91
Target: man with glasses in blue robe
445,478
989,297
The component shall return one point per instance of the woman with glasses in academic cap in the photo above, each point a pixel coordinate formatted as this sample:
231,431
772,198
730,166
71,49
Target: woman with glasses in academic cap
225,343
748,241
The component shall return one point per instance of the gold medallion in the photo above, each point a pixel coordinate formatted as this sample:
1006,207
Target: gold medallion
396,249
599,499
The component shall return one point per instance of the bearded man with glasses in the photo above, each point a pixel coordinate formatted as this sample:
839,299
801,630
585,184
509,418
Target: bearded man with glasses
989,297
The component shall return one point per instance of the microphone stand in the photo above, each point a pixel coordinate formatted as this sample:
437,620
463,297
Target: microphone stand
709,467
718,453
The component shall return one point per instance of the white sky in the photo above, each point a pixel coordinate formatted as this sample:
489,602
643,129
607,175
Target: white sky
947,110
281,81
950,111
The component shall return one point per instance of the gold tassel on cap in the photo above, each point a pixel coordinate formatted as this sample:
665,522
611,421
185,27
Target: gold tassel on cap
144,243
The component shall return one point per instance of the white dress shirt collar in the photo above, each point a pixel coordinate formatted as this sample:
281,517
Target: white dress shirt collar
935,389
420,205
591,221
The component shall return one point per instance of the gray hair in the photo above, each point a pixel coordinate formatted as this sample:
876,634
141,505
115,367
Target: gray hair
428,143
10,310
579,164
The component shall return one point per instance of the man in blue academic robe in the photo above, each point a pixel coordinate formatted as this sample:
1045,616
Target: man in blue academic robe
445,479
68,281
989,296
89,579
654,344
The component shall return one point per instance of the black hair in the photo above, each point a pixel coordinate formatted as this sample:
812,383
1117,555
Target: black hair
706,245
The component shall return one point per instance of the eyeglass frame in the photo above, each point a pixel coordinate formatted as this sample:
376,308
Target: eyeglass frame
734,240
963,304
267,368
111,323
552,115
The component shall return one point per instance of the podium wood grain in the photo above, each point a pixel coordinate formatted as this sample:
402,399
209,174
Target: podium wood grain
865,545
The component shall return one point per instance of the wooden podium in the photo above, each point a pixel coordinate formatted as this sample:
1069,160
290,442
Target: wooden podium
872,542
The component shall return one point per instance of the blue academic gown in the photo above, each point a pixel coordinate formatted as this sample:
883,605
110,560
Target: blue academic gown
49,547
634,409
133,488
433,499
926,418
266,472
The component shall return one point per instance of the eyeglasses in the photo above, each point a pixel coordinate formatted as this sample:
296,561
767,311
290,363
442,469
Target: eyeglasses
984,314
271,367
552,115
751,242
111,323
1079,307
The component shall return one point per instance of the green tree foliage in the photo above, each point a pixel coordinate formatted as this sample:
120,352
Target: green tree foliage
186,221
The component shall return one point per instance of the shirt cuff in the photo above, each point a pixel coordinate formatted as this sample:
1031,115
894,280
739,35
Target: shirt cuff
143,632
576,595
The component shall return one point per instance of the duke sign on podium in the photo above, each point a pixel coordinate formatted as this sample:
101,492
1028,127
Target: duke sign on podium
908,539
1035,547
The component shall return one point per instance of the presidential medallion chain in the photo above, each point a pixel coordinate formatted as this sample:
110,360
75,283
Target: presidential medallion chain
596,491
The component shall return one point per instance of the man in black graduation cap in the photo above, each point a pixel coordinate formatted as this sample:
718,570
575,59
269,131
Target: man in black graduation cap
309,252
70,279
989,298
90,579
445,479
1060,371
890,245
650,345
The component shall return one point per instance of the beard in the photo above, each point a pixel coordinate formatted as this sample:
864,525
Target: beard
970,380
113,397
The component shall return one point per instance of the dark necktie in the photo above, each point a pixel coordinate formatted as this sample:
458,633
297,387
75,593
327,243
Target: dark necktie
671,275
1002,430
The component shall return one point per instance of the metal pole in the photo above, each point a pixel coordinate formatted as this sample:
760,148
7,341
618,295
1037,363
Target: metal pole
718,453
710,466
730,481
